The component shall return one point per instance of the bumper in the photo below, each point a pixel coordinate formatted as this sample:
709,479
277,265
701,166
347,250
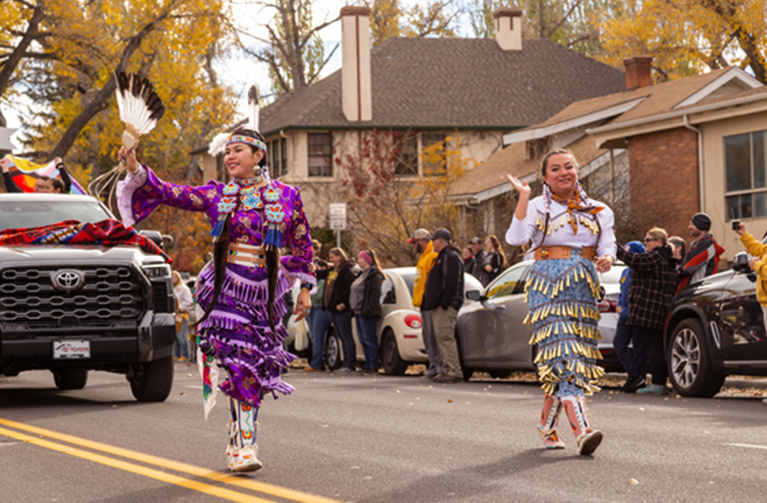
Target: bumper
110,349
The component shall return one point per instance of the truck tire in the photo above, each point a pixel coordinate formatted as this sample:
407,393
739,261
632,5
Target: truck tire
70,378
152,381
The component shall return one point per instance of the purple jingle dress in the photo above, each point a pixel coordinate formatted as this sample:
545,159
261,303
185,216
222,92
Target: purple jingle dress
237,333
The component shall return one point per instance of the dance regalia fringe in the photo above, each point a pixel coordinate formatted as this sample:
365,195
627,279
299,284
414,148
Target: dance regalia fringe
561,295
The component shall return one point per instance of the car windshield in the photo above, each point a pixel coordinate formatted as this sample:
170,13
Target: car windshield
25,214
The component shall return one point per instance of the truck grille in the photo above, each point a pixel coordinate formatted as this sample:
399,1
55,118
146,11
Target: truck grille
105,295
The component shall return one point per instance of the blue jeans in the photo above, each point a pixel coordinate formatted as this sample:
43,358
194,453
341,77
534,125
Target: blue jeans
342,322
319,321
366,331
181,349
634,363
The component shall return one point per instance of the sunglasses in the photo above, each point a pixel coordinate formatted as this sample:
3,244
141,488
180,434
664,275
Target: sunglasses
647,240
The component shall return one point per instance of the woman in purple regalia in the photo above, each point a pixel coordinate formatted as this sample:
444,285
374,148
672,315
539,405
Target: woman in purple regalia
242,290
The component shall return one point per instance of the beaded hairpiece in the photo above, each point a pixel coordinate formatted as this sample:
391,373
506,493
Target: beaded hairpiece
238,138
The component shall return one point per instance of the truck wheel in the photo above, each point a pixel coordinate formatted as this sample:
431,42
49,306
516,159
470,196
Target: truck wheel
393,364
333,351
689,362
70,378
152,381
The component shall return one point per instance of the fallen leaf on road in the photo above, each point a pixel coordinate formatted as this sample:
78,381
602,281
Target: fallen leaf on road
354,467
189,375
633,482
449,401
325,426
182,393
641,408
398,391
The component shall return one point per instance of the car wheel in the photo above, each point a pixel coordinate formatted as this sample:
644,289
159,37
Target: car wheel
689,362
393,364
70,378
152,381
333,351
499,374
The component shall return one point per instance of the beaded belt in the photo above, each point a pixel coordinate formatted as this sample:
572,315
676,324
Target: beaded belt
554,252
246,255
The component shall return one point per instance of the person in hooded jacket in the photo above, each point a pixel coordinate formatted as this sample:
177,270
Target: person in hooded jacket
633,362
336,300
365,299
653,283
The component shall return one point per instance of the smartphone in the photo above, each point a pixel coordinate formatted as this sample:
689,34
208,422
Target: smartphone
735,225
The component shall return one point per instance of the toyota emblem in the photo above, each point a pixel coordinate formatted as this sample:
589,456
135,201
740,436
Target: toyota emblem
67,280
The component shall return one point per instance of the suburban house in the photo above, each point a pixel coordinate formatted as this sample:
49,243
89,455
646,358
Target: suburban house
642,151
425,89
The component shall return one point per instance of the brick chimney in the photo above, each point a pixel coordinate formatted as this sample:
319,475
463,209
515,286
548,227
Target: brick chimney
356,94
508,28
638,72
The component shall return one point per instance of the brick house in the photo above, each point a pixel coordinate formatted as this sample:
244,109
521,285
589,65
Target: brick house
426,89
635,150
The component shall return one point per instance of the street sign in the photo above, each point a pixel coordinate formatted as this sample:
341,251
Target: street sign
338,216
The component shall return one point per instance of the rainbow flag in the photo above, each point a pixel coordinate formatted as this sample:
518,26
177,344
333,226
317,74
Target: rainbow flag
25,173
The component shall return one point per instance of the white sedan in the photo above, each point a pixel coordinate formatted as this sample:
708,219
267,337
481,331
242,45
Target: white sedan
399,331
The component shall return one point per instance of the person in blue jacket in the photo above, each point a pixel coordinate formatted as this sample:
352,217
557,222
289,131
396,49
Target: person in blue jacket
634,362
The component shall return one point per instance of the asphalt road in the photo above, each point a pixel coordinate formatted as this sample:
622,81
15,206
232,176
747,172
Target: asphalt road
372,439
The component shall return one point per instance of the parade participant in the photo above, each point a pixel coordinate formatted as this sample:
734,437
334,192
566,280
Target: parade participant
573,239
653,282
242,291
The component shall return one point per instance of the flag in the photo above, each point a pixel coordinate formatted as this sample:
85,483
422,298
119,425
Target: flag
25,173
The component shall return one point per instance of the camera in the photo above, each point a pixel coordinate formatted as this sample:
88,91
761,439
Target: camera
735,225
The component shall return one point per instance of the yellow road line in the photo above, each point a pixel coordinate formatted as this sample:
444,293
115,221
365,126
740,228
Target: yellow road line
139,470
262,487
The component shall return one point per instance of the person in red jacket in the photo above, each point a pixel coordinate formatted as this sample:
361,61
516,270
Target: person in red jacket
702,259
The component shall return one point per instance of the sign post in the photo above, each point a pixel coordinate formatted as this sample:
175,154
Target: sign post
338,220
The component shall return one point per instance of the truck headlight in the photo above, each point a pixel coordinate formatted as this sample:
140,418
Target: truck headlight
156,271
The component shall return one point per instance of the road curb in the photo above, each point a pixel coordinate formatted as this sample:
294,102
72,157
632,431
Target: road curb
737,382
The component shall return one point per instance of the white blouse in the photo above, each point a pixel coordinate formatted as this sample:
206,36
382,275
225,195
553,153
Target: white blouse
560,230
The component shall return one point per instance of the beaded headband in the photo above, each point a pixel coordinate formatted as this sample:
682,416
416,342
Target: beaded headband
237,138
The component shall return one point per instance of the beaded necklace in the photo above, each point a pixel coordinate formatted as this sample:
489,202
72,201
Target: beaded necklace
245,191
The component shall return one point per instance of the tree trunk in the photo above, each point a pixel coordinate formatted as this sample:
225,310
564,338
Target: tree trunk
18,52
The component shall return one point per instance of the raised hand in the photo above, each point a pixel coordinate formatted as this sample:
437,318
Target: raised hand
129,157
522,187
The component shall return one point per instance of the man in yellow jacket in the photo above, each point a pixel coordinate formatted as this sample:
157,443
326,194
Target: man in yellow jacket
421,239
759,264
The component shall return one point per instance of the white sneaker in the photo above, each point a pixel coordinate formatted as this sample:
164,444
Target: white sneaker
243,459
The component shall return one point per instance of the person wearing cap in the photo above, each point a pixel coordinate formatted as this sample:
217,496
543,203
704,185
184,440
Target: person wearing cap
478,247
702,259
421,239
573,240
442,297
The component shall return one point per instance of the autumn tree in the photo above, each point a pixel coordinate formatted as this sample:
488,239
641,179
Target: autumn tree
437,18
572,23
385,207
689,36
294,51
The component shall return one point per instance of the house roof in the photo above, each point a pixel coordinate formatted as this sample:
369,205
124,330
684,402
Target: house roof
512,160
650,100
453,83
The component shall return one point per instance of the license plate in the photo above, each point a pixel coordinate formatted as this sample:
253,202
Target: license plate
71,350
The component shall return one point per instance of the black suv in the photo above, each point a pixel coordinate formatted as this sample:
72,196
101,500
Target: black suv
70,309
715,329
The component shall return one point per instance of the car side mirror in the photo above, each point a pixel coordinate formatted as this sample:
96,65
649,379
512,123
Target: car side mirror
154,236
473,295
740,262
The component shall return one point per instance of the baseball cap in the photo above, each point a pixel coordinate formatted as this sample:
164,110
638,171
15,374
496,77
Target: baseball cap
419,234
442,234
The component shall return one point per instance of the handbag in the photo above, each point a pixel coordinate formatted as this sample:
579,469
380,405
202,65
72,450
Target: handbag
301,341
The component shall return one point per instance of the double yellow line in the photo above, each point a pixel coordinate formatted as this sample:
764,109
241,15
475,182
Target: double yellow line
41,439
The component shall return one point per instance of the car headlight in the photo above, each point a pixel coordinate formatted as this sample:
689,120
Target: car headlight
413,321
156,271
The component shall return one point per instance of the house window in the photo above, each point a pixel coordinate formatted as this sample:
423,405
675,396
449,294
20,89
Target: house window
406,145
320,146
745,161
278,158
432,166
